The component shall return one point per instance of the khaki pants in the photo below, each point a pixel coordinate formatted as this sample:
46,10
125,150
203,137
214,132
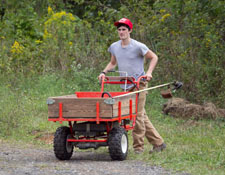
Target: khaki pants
143,126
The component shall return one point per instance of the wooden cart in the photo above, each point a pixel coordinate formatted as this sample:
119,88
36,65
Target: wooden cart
95,119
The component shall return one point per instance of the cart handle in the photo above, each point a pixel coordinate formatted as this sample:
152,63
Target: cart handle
141,78
102,83
105,79
107,94
135,85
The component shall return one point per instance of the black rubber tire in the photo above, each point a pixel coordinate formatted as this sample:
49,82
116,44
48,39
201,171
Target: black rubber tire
63,150
118,143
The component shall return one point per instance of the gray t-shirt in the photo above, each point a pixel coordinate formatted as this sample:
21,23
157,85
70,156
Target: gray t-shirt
130,59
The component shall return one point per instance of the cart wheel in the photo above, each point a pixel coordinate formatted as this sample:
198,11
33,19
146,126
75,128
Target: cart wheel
63,149
118,143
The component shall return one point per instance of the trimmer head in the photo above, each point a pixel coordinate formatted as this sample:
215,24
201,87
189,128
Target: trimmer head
168,92
177,85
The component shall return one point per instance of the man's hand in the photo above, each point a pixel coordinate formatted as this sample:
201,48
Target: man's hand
148,76
101,77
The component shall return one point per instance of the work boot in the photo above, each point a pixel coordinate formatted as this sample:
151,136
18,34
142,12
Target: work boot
158,148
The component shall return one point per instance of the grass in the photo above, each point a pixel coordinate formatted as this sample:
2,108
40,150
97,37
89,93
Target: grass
195,147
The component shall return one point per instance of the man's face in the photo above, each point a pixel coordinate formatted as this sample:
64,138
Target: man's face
123,32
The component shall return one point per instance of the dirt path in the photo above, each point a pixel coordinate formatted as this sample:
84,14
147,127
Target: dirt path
24,160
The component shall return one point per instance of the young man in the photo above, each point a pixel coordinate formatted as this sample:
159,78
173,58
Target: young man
129,55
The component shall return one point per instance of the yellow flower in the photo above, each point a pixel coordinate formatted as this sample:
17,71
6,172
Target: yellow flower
208,42
165,16
60,17
38,41
70,43
72,18
58,23
17,48
162,11
46,34
50,11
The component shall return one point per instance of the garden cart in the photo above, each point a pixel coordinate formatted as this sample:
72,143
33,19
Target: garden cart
95,119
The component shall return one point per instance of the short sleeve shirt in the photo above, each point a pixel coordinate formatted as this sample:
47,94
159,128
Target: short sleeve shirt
130,59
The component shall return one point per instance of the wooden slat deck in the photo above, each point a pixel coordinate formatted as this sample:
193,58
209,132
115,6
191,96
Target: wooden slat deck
74,107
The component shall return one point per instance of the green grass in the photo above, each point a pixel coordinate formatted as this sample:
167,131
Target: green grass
195,147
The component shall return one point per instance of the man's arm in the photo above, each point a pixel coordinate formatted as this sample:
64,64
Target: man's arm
154,59
111,65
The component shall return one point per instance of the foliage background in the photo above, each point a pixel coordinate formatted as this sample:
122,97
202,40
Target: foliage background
56,47
41,37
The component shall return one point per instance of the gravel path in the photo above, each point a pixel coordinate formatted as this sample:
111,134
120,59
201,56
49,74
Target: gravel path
24,160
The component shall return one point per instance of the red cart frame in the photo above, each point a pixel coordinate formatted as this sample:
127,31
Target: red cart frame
121,120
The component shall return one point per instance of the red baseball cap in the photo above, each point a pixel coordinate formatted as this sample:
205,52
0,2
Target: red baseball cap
124,21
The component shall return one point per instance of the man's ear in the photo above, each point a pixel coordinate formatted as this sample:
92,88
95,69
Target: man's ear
130,30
